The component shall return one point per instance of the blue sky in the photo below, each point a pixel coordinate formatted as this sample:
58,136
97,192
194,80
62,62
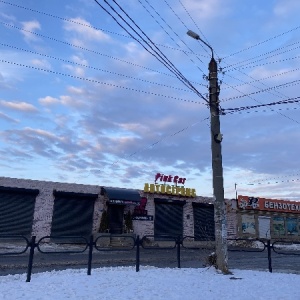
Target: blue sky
82,101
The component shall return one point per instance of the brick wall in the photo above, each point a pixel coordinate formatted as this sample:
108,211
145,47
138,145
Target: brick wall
45,200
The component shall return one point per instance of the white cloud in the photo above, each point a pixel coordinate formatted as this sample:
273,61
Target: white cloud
48,100
20,106
75,70
205,9
7,17
76,90
43,133
28,28
41,63
8,118
65,100
79,60
84,31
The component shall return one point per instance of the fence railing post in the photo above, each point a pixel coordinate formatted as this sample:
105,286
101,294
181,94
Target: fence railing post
91,245
137,260
32,245
178,242
269,255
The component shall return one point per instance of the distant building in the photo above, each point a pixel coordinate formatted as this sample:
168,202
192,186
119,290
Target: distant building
257,217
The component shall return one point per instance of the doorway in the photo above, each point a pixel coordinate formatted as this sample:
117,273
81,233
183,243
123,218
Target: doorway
115,218
264,227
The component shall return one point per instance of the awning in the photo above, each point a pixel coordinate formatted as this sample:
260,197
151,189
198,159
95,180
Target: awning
121,196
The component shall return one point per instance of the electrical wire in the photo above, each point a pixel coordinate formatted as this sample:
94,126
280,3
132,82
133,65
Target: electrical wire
278,111
99,82
263,55
261,79
263,42
170,28
160,141
155,52
83,48
89,26
261,111
269,92
94,68
286,101
266,63
275,178
283,85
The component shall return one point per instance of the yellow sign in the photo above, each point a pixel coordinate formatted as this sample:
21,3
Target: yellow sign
169,190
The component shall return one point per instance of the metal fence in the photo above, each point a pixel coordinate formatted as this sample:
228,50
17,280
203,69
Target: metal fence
103,243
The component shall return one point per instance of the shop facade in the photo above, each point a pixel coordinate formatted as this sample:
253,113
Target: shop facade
165,207
267,218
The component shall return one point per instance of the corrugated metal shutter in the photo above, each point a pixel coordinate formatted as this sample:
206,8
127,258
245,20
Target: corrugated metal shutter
73,214
204,224
168,219
16,210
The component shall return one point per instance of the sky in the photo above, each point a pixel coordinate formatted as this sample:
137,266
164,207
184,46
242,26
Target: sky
151,283
111,93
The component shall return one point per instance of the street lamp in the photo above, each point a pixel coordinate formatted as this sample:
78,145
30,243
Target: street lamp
217,168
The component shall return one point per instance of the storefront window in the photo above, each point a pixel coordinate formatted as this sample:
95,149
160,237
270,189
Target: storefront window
248,224
278,226
291,225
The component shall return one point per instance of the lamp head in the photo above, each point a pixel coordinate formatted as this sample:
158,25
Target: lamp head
193,34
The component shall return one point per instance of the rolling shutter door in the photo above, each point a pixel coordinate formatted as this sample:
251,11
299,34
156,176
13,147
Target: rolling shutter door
16,210
168,219
73,214
204,224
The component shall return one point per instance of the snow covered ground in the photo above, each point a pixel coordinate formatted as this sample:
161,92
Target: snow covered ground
151,283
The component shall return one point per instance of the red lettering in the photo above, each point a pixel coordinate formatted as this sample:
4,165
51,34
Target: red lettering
156,177
175,179
180,180
170,178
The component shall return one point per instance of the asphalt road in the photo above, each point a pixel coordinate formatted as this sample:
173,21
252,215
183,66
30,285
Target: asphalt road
189,258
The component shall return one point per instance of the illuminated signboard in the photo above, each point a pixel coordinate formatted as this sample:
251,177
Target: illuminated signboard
169,189
257,203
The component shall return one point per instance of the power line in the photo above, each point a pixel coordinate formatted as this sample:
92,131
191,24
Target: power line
88,25
276,182
159,15
83,48
283,85
268,91
198,29
264,111
155,52
266,63
99,82
275,178
287,101
160,141
261,79
279,110
63,19
265,41
247,95
180,74
264,54
170,7
94,68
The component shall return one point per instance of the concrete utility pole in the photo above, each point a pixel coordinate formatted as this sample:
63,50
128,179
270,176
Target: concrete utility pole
217,168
